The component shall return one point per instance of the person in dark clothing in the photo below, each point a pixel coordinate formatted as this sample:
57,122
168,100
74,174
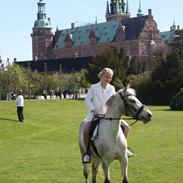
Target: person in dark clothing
20,105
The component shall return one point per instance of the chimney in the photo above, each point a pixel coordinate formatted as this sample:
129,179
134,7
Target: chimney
149,12
72,25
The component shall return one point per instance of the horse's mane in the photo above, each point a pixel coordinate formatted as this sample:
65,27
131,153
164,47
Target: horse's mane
127,91
124,91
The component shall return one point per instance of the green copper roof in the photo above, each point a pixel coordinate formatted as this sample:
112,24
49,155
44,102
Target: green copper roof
80,35
167,35
42,23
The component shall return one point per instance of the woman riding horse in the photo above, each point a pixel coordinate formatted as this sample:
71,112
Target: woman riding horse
95,100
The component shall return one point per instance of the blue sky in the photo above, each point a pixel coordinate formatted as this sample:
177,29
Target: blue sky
18,16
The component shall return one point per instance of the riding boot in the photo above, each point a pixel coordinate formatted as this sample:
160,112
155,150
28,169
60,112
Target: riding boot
86,157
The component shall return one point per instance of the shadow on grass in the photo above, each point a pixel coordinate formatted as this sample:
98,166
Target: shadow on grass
7,119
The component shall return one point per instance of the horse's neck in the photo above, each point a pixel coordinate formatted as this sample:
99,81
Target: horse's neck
113,111
112,127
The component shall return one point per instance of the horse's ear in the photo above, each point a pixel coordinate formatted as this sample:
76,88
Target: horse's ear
126,87
110,100
126,84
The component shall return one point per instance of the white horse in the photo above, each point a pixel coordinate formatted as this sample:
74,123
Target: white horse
111,143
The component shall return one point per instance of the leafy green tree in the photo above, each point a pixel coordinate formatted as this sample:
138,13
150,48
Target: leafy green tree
177,101
53,81
166,80
110,57
37,83
17,77
135,67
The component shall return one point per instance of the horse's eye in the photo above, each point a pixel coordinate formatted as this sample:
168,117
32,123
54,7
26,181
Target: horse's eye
132,101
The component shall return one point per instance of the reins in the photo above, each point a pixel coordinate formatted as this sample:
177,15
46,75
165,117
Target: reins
111,119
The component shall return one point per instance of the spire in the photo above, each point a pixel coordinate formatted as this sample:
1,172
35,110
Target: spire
96,21
127,7
42,21
41,10
107,8
117,7
139,10
174,26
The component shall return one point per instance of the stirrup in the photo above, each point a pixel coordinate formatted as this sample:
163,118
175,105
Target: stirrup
86,158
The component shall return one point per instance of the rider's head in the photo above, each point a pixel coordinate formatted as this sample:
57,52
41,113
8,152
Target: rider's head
106,75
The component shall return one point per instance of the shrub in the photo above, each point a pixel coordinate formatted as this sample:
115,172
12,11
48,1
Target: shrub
177,101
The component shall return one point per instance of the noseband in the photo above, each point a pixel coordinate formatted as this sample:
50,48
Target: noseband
130,108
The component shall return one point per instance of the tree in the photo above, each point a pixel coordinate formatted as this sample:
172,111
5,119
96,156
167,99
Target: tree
177,101
110,57
166,80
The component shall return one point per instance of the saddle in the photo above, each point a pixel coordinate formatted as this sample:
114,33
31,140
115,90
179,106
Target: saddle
94,128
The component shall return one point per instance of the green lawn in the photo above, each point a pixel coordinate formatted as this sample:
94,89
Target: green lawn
44,149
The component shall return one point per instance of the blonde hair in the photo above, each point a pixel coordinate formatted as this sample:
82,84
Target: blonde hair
105,70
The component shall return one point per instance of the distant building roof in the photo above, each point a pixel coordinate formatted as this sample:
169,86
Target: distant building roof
166,35
105,32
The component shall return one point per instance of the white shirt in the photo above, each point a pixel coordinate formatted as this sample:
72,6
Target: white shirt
20,101
96,99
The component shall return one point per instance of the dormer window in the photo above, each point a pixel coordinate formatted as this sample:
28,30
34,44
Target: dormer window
93,38
120,33
68,40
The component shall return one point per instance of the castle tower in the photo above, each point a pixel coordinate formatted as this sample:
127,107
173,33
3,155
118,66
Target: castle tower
117,10
42,37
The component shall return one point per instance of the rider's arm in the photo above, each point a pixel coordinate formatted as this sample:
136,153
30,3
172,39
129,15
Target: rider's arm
89,99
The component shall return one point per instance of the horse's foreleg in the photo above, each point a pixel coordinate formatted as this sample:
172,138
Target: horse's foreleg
95,166
85,172
124,168
106,173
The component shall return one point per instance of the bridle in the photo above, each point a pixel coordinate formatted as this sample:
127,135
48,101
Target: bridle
129,108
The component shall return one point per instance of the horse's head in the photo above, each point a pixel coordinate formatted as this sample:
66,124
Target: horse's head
132,106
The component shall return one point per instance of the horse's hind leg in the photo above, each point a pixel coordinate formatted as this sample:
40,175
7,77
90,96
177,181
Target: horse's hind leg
95,166
85,172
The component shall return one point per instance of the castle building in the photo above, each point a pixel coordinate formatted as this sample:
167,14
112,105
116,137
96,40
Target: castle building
138,36
173,38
